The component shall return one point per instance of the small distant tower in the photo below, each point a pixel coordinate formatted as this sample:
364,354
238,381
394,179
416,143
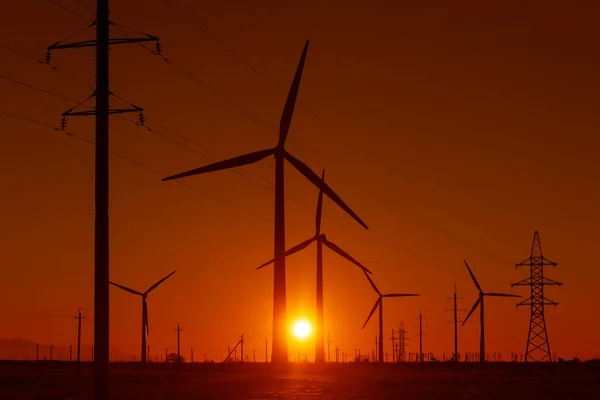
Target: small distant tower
402,342
538,346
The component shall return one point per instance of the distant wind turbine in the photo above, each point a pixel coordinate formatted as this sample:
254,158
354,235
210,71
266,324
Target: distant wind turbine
279,352
145,329
321,240
479,303
379,303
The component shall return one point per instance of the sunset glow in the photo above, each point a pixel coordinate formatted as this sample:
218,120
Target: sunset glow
301,329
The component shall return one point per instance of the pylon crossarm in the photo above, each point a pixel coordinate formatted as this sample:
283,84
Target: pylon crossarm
524,282
526,302
551,282
92,43
525,263
93,112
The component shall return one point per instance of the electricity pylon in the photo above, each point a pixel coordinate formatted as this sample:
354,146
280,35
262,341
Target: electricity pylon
101,228
421,334
455,320
402,342
538,346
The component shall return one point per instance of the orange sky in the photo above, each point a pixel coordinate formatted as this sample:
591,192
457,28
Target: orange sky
445,128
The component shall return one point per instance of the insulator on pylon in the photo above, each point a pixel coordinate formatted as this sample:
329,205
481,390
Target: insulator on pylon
158,48
48,57
63,123
141,119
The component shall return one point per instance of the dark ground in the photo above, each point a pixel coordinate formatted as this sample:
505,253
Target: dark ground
57,380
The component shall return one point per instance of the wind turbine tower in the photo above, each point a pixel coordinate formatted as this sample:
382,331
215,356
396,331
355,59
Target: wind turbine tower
145,328
379,304
479,303
279,353
321,240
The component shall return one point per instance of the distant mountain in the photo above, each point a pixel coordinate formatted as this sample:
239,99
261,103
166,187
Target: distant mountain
23,349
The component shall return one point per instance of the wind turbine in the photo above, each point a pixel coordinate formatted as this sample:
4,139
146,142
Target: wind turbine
479,303
379,303
279,352
145,329
321,240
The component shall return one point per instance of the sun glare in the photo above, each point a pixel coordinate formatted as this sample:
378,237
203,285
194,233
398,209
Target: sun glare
301,329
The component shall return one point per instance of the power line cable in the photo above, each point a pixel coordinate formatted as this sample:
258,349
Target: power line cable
59,5
131,160
244,111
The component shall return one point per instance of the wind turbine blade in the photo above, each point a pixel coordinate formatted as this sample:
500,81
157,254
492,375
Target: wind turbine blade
342,253
372,283
151,288
472,309
125,288
314,178
320,206
239,161
473,277
372,311
293,250
501,295
399,295
145,316
288,110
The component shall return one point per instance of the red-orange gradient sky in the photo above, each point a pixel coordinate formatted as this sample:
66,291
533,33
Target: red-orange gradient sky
446,128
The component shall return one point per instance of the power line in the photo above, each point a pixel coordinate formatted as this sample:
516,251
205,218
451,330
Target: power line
57,4
139,164
39,61
162,175
195,79
241,109
147,128
82,4
206,86
37,89
223,46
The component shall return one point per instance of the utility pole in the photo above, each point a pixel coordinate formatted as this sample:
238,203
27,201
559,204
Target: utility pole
178,330
254,355
266,350
393,347
101,226
166,356
51,352
192,355
79,317
455,321
328,349
242,348
337,354
420,318
538,345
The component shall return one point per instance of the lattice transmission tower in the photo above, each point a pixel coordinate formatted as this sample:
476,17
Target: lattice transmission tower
538,346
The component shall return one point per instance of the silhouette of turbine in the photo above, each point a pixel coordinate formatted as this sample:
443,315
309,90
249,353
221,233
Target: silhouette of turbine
279,352
145,329
379,303
479,303
321,240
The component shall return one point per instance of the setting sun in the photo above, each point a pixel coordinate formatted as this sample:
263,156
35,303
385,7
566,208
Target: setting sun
301,329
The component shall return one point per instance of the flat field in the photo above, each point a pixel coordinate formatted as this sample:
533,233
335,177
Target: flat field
130,381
